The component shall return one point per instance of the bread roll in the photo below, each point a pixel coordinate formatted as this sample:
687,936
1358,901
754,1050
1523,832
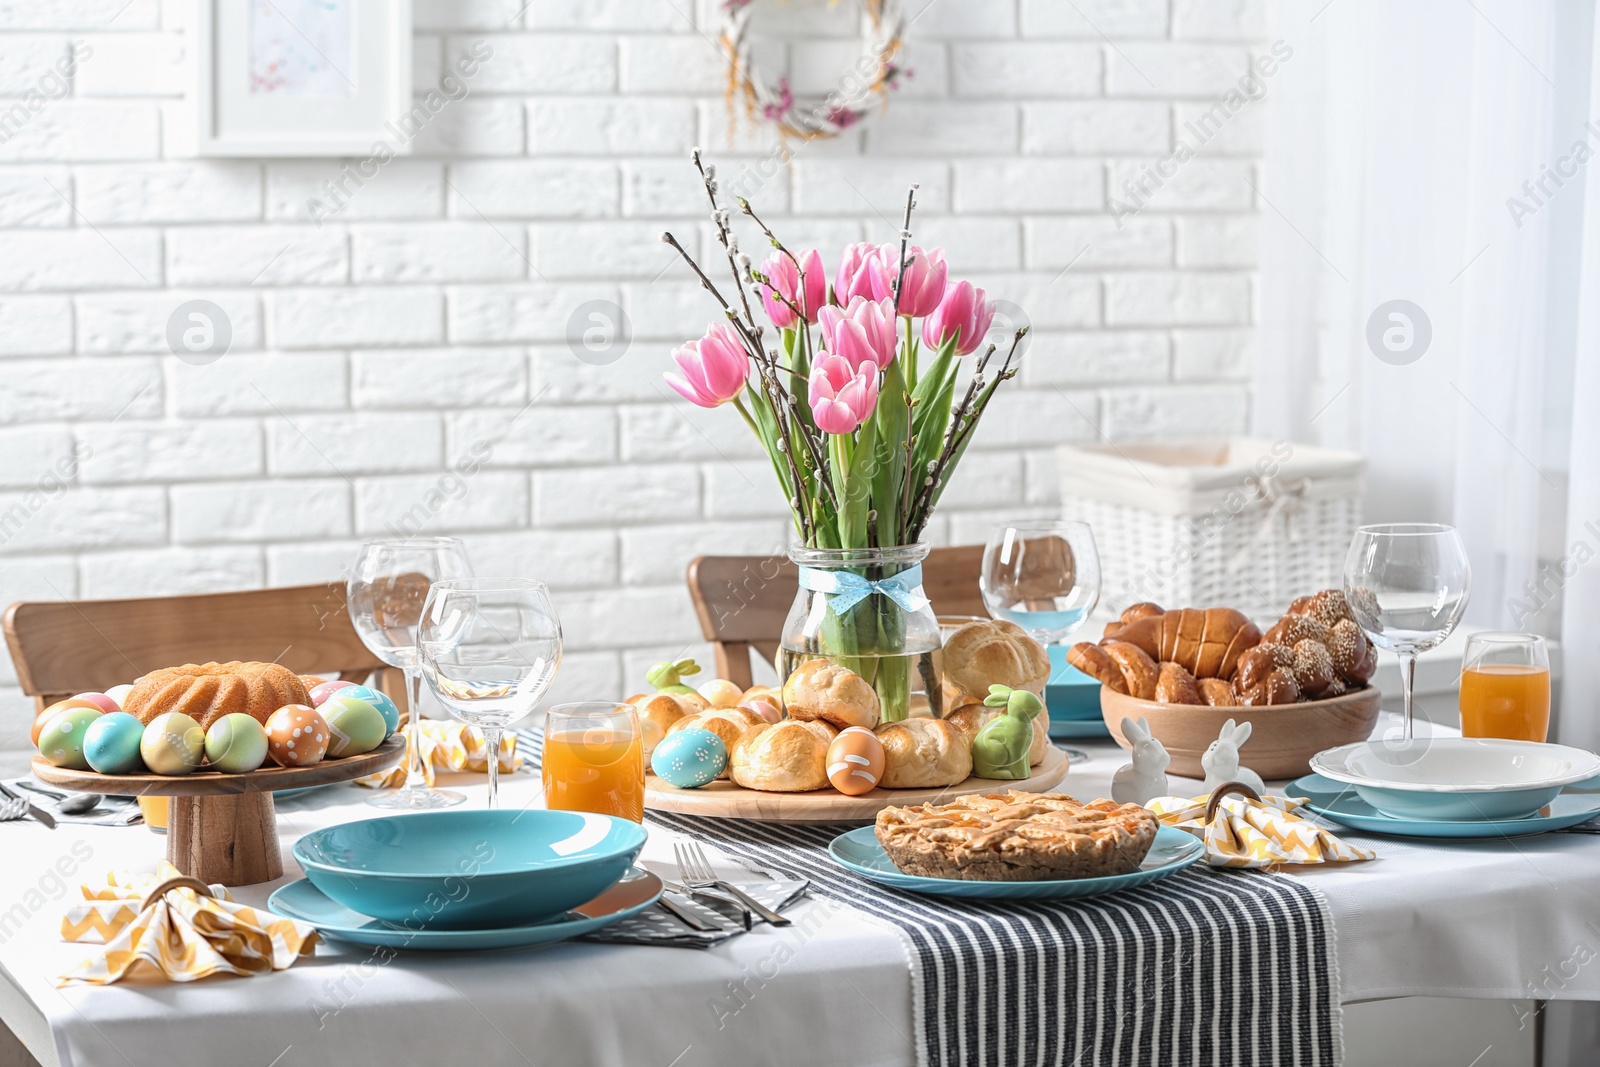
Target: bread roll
1206,642
923,753
1176,685
782,757
726,723
1138,669
658,711
1217,693
970,718
994,652
822,690
1093,661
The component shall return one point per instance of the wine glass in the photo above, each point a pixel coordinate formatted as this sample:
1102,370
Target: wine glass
1407,585
386,591
489,648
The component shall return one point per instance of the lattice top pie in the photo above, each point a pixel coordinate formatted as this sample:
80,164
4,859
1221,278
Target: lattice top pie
1017,837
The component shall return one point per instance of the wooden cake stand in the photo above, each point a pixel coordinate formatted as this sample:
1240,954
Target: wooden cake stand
723,799
222,827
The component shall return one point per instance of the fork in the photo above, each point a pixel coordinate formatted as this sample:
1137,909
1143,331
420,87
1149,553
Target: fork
12,809
697,874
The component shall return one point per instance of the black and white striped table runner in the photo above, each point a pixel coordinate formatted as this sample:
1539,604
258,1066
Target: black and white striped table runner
1210,967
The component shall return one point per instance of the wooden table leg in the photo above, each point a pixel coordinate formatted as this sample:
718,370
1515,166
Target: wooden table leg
231,838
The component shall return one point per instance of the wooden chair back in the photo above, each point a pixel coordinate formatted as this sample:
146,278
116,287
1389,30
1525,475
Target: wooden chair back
742,601
63,647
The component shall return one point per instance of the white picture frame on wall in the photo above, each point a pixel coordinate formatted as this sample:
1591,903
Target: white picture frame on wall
299,77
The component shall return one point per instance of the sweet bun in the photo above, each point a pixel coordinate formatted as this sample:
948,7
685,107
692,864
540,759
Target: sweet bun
923,753
970,718
819,690
1175,685
994,652
659,711
782,757
1352,654
726,723
1217,693
1138,669
1093,661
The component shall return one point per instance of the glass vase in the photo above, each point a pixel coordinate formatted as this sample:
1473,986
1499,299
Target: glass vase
864,610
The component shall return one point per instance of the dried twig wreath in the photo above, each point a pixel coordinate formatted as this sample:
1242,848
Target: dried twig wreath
874,73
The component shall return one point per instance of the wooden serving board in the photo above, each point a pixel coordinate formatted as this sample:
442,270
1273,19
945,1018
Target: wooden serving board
723,799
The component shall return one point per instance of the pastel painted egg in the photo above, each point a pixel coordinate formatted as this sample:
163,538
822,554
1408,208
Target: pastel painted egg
722,693
61,740
322,692
111,744
297,736
769,712
173,744
354,726
102,701
236,744
386,707
855,761
689,758
119,693
52,711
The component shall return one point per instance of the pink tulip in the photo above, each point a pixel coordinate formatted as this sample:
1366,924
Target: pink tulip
964,314
842,396
808,293
924,282
860,274
862,333
714,368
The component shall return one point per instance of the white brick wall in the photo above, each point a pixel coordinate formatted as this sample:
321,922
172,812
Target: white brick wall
428,315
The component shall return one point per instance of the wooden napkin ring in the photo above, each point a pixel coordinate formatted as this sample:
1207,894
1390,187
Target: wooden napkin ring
183,881
1222,791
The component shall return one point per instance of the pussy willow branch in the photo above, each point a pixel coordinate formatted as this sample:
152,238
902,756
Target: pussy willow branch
905,239
708,179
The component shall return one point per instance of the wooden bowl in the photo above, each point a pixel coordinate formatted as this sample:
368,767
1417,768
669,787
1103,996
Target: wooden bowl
1283,737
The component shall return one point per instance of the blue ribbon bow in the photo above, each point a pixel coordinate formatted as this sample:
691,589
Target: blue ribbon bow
847,589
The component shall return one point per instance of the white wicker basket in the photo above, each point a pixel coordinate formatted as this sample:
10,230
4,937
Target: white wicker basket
1244,522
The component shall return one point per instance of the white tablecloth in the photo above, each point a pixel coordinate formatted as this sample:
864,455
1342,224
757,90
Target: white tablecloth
1470,919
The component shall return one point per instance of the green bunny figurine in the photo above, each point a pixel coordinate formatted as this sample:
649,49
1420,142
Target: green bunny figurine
668,677
1001,748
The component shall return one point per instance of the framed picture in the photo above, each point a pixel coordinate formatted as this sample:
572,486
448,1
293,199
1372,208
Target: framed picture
299,77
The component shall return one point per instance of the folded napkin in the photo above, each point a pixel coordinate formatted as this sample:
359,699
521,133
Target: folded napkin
111,811
448,745
1256,833
657,926
182,934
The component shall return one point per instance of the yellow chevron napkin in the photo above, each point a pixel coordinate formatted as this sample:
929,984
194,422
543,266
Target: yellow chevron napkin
448,745
182,936
1256,833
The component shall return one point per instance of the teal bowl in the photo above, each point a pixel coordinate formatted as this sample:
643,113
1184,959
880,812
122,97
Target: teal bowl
469,869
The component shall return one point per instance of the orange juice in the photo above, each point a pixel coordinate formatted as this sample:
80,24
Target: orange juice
1506,700
595,770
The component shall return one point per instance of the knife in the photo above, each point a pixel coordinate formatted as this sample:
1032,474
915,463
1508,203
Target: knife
33,809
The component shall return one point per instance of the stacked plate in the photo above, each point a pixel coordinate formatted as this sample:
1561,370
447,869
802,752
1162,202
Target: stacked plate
1074,701
469,879
1453,786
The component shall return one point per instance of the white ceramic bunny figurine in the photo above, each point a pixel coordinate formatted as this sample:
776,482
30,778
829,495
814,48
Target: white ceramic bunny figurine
1146,777
1221,760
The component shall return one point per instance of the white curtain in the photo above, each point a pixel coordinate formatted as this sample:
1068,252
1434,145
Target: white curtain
1424,152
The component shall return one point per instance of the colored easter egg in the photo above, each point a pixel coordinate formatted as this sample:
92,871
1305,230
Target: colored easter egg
769,712
855,761
103,701
722,693
354,726
61,740
236,744
119,693
386,707
689,758
297,736
52,711
111,744
173,744
322,692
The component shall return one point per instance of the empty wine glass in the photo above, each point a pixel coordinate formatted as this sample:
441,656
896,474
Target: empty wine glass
386,591
1043,575
1407,585
489,647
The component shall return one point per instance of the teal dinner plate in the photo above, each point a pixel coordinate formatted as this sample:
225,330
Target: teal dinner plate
1073,730
1070,694
1340,803
1171,852
303,901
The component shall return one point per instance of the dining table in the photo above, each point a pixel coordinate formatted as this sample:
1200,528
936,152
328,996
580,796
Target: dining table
1497,919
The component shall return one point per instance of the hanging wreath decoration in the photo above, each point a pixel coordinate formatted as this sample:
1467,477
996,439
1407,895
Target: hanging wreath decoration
873,74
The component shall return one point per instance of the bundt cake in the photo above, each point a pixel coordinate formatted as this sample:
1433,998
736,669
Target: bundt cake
207,691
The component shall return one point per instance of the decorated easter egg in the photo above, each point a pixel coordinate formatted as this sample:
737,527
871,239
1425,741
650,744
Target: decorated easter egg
386,707
111,743
119,693
61,740
102,701
236,744
297,736
52,711
354,726
322,692
173,744
722,693
689,758
768,711
855,761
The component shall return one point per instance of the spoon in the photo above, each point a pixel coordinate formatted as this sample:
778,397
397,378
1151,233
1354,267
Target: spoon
78,804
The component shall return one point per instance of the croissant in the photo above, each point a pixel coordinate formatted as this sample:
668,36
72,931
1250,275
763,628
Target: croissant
1206,642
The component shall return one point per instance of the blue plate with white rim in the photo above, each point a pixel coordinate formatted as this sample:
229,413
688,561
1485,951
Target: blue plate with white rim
301,900
1073,700
1171,852
1341,804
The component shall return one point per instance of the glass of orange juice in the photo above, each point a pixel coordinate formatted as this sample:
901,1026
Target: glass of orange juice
1505,687
594,759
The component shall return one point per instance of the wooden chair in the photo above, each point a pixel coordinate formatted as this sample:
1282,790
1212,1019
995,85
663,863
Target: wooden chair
742,601
63,647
